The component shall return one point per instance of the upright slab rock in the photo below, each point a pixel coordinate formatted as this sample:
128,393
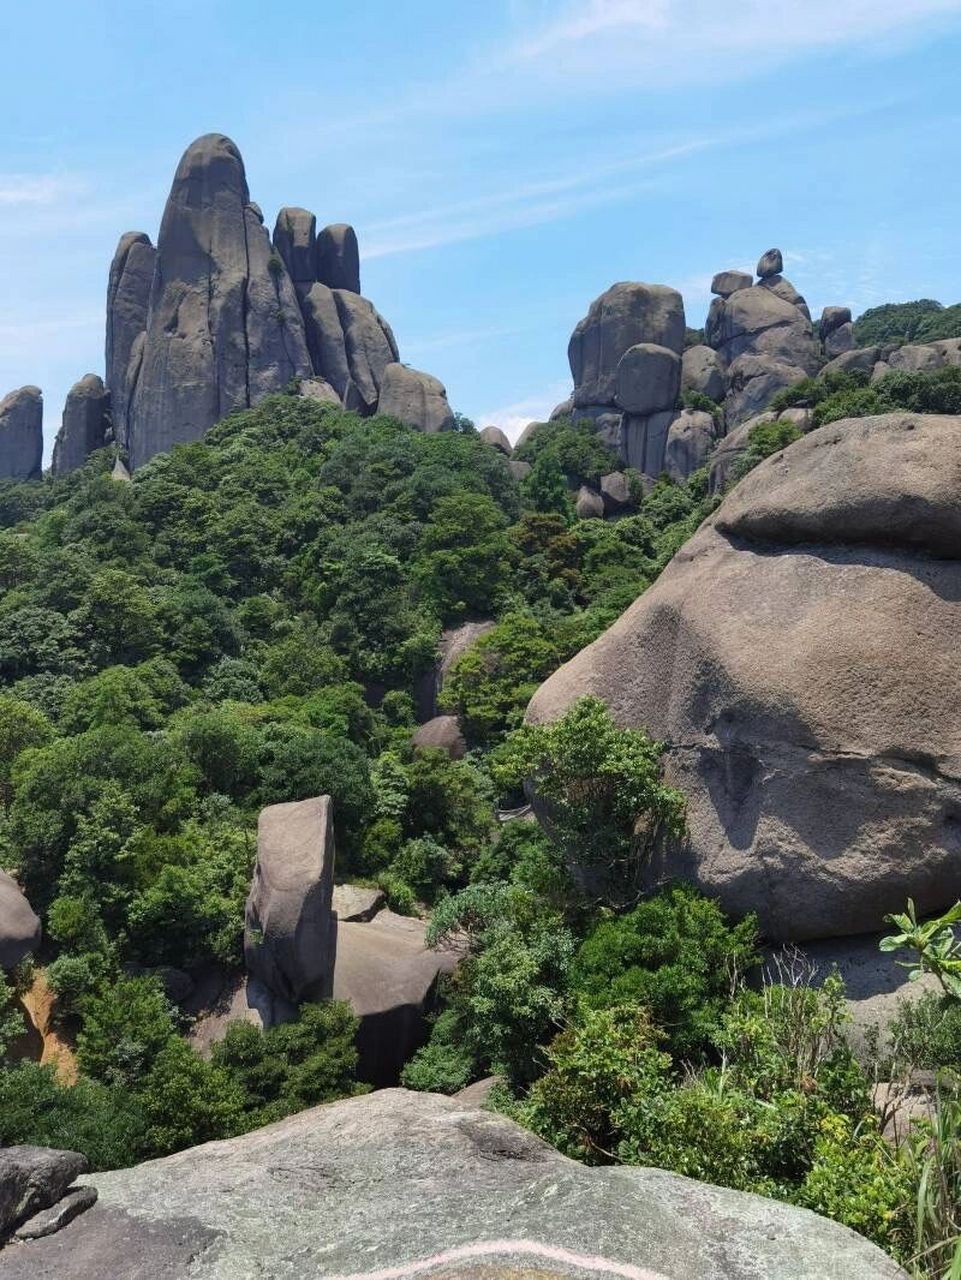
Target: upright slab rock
415,398
21,434
223,325
370,347
290,931
128,300
406,1184
295,238
337,262
86,421
795,657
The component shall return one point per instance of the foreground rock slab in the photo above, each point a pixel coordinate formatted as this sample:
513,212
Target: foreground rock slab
400,1184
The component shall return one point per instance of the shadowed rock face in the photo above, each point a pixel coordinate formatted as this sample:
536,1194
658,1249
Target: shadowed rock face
795,656
128,297
21,434
338,258
86,420
223,326
415,398
401,1184
19,927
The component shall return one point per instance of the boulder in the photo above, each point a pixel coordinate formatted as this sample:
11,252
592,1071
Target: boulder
823,780
759,322
320,391
770,264
927,356
47,1221
324,335
370,347
223,326
589,504
402,1184
702,373
616,492
32,1179
627,314
839,341
497,440
781,286
21,434
357,902
860,358
289,930
295,234
562,410
727,282
832,318
453,644
754,381
441,734
390,977
691,437
128,298
338,258
526,435
86,420
647,379
416,398
19,927
520,470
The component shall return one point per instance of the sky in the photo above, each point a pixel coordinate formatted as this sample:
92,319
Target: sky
503,163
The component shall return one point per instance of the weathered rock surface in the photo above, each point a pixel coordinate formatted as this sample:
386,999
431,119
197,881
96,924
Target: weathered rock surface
325,340
615,492
839,341
369,345
320,391
223,327
832,318
32,1179
701,371
763,656
754,381
357,902
21,434
19,927
411,1183
416,398
497,440
48,1221
589,504
926,356
443,733
727,282
783,287
862,358
128,299
647,379
770,264
389,976
692,436
643,441
289,935
295,236
86,421
622,317
338,258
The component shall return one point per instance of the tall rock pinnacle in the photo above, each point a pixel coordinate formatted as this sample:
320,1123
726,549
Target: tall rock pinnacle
21,434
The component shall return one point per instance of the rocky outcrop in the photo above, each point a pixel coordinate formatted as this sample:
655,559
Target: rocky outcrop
289,934
86,423
497,440
763,654
128,300
616,492
19,927
443,733
338,258
589,505
403,1184
295,239
21,434
727,282
415,398
369,346
703,373
32,1179
357,902
690,440
223,326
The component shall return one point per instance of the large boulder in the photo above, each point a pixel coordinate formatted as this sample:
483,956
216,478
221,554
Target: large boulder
32,1179
862,359
783,287
727,282
839,341
128,299
794,658
223,326
588,505
86,421
290,932
754,381
370,347
325,338
399,1184
647,379
627,314
759,322
833,318
702,372
770,264
338,258
21,434
692,436
497,440
19,927
443,733
295,236
415,398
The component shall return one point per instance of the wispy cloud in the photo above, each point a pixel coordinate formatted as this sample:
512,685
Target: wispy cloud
44,189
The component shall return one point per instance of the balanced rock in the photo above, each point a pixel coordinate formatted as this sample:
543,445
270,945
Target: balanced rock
128,299
727,282
223,327
497,440
415,398
32,1179
770,264
622,317
762,656
692,436
647,379
840,341
443,733
702,373
832,318
406,1184
295,236
19,927
338,258
21,434
290,932
86,421
589,504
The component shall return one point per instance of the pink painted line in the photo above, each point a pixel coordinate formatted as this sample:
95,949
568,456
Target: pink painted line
491,1248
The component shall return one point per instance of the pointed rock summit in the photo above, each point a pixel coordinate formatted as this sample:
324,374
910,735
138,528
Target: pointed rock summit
21,434
86,422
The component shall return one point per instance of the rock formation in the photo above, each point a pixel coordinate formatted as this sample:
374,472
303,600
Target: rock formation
403,1184
32,1181
763,655
497,440
443,733
128,299
86,423
415,398
19,927
290,932
338,258
21,434
453,644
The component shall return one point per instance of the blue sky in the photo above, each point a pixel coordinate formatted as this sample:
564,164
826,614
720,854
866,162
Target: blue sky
503,163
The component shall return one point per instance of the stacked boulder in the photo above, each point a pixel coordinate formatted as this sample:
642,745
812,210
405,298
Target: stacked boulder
220,314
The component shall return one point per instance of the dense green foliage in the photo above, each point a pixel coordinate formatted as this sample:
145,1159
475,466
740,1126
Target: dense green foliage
900,322
853,395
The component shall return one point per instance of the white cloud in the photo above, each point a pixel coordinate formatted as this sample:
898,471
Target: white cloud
21,189
513,418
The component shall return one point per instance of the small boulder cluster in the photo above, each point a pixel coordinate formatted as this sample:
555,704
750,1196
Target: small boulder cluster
38,1191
